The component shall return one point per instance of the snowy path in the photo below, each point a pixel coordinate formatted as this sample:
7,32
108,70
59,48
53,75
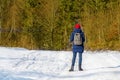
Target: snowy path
23,64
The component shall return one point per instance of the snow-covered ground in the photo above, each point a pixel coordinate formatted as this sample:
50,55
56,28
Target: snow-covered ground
23,64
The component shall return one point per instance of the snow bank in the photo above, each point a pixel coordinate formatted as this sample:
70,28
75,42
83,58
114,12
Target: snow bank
23,64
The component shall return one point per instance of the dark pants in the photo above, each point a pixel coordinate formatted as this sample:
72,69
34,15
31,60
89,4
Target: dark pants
74,58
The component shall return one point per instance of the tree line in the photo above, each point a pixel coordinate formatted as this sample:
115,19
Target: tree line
47,24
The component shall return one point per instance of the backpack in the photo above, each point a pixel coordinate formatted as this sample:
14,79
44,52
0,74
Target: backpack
77,39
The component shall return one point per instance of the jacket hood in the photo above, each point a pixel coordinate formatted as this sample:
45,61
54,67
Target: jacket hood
77,30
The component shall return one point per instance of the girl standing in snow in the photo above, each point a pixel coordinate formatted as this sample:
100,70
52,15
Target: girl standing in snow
77,48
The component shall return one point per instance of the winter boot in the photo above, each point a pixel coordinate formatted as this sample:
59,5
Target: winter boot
80,69
72,68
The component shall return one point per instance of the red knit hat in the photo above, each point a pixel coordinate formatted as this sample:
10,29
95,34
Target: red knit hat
77,26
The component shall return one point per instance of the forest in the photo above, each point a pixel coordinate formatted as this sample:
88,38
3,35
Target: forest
47,24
